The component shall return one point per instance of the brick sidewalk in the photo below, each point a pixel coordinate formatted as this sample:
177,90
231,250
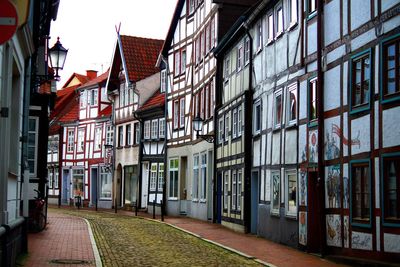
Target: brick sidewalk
65,238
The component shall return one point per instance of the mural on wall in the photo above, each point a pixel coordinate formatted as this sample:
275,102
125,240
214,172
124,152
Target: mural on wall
303,228
302,143
337,131
332,140
360,133
313,146
303,188
346,192
346,231
332,187
361,240
333,230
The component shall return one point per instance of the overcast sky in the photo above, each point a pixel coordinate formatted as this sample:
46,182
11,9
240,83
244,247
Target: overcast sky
87,29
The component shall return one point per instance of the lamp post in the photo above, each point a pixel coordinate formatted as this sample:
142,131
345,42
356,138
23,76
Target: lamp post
198,124
58,54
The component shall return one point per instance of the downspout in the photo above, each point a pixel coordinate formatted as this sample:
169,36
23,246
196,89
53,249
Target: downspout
139,184
60,164
164,193
248,137
320,112
114,142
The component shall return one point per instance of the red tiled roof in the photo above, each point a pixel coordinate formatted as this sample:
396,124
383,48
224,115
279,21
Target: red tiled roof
141,56
64,96
106,112
81,78
156,100
99,79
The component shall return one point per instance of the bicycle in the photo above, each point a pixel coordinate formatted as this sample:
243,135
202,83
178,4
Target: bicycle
37,219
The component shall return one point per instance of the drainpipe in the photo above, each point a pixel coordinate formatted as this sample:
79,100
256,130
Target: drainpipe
164,193
320,112
140,171
112,119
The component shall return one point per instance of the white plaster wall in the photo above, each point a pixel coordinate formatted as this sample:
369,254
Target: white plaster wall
302,143
390,127
276,148
290,147
360,13
363,39
391,243
386,4
311,37
332,21
332,89
302,100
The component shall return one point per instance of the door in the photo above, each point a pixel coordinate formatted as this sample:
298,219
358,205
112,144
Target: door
66,187
219,197
314,214
210,180
145,186
254,202
94,186
182,186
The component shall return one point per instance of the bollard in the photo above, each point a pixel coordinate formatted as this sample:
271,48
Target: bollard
115,205
136,208
154,209
162,211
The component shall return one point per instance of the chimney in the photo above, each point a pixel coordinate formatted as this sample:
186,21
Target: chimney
91,74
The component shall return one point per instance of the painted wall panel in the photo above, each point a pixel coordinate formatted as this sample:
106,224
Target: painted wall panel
311,37
332,138
302,143
390,127
303,100
276,148
361,241
360,135
290,147
386,4
391,24
391,243
333,230
363,39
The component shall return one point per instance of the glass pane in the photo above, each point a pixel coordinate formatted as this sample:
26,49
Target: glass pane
32,125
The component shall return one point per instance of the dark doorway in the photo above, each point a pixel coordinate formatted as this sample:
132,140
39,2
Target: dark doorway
315,204
254,202
219,196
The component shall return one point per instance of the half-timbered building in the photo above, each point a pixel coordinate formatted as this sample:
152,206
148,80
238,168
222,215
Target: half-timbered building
194,31
132,80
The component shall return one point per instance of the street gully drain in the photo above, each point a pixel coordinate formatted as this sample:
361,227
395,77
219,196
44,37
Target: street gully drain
69,261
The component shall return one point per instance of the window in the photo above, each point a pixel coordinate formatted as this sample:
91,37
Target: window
227,68
81,140
177,62
83,99
195,177
221,130
121,94
278,109
161,127
360,193
147,130
50,178
160,176
128,133
312,99
271,33
182,113
292,104
176,114
120,136
234,190
202,44
239,57
203,177
71,138
226,127
55,178
136,129
197,50
360,80
311,6
131,95
234,123
109,135
239,191
190,5
183,61
213,35
391,188
293,12
154,129
105,183
202,104
259,35
207,30
226,188
33,144
257,117
239,131
291,193
77,181
173,178
163,82
93,97
276,192
279,21
153,177
246,51
97,138
391,68
126,98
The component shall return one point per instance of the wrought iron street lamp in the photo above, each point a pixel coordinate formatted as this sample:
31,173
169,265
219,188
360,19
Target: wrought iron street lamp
58,54
198,124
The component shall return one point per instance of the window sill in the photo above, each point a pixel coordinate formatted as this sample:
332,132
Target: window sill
275,213
360,108
312,15
361,223
172,198
391,222
270,41
313,123
279,35
259,49
388,98
277,128
291,216
291,125
292,25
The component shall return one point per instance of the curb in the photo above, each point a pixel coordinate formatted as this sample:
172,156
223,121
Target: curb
94,246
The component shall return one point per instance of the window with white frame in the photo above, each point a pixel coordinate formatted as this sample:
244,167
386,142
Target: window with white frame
177,65
83,99
221,130
239,191
50,177
202,104
97,138
278,109
207,30
131,95
182,113
202,44
291,193
163,82
213,33
71,139
203,176
105,183
109,135
311,6
154,129
77,181
147,130
239,57
279,20
293,12
234,123
246,51
173,178
291,109
176,114
227,68
93,97
239,124
161,128
271,33
183,61
234,190
136,133
81,140
207,101
257,117
276,191
226,134
56,178
120,136
128,135
160,176
196,171
259,35
33,144
126,98
226,189
153,176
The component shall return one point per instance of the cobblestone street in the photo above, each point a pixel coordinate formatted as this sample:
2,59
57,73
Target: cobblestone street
132,241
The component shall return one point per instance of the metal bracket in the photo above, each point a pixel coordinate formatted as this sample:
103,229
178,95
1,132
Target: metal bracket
4,112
